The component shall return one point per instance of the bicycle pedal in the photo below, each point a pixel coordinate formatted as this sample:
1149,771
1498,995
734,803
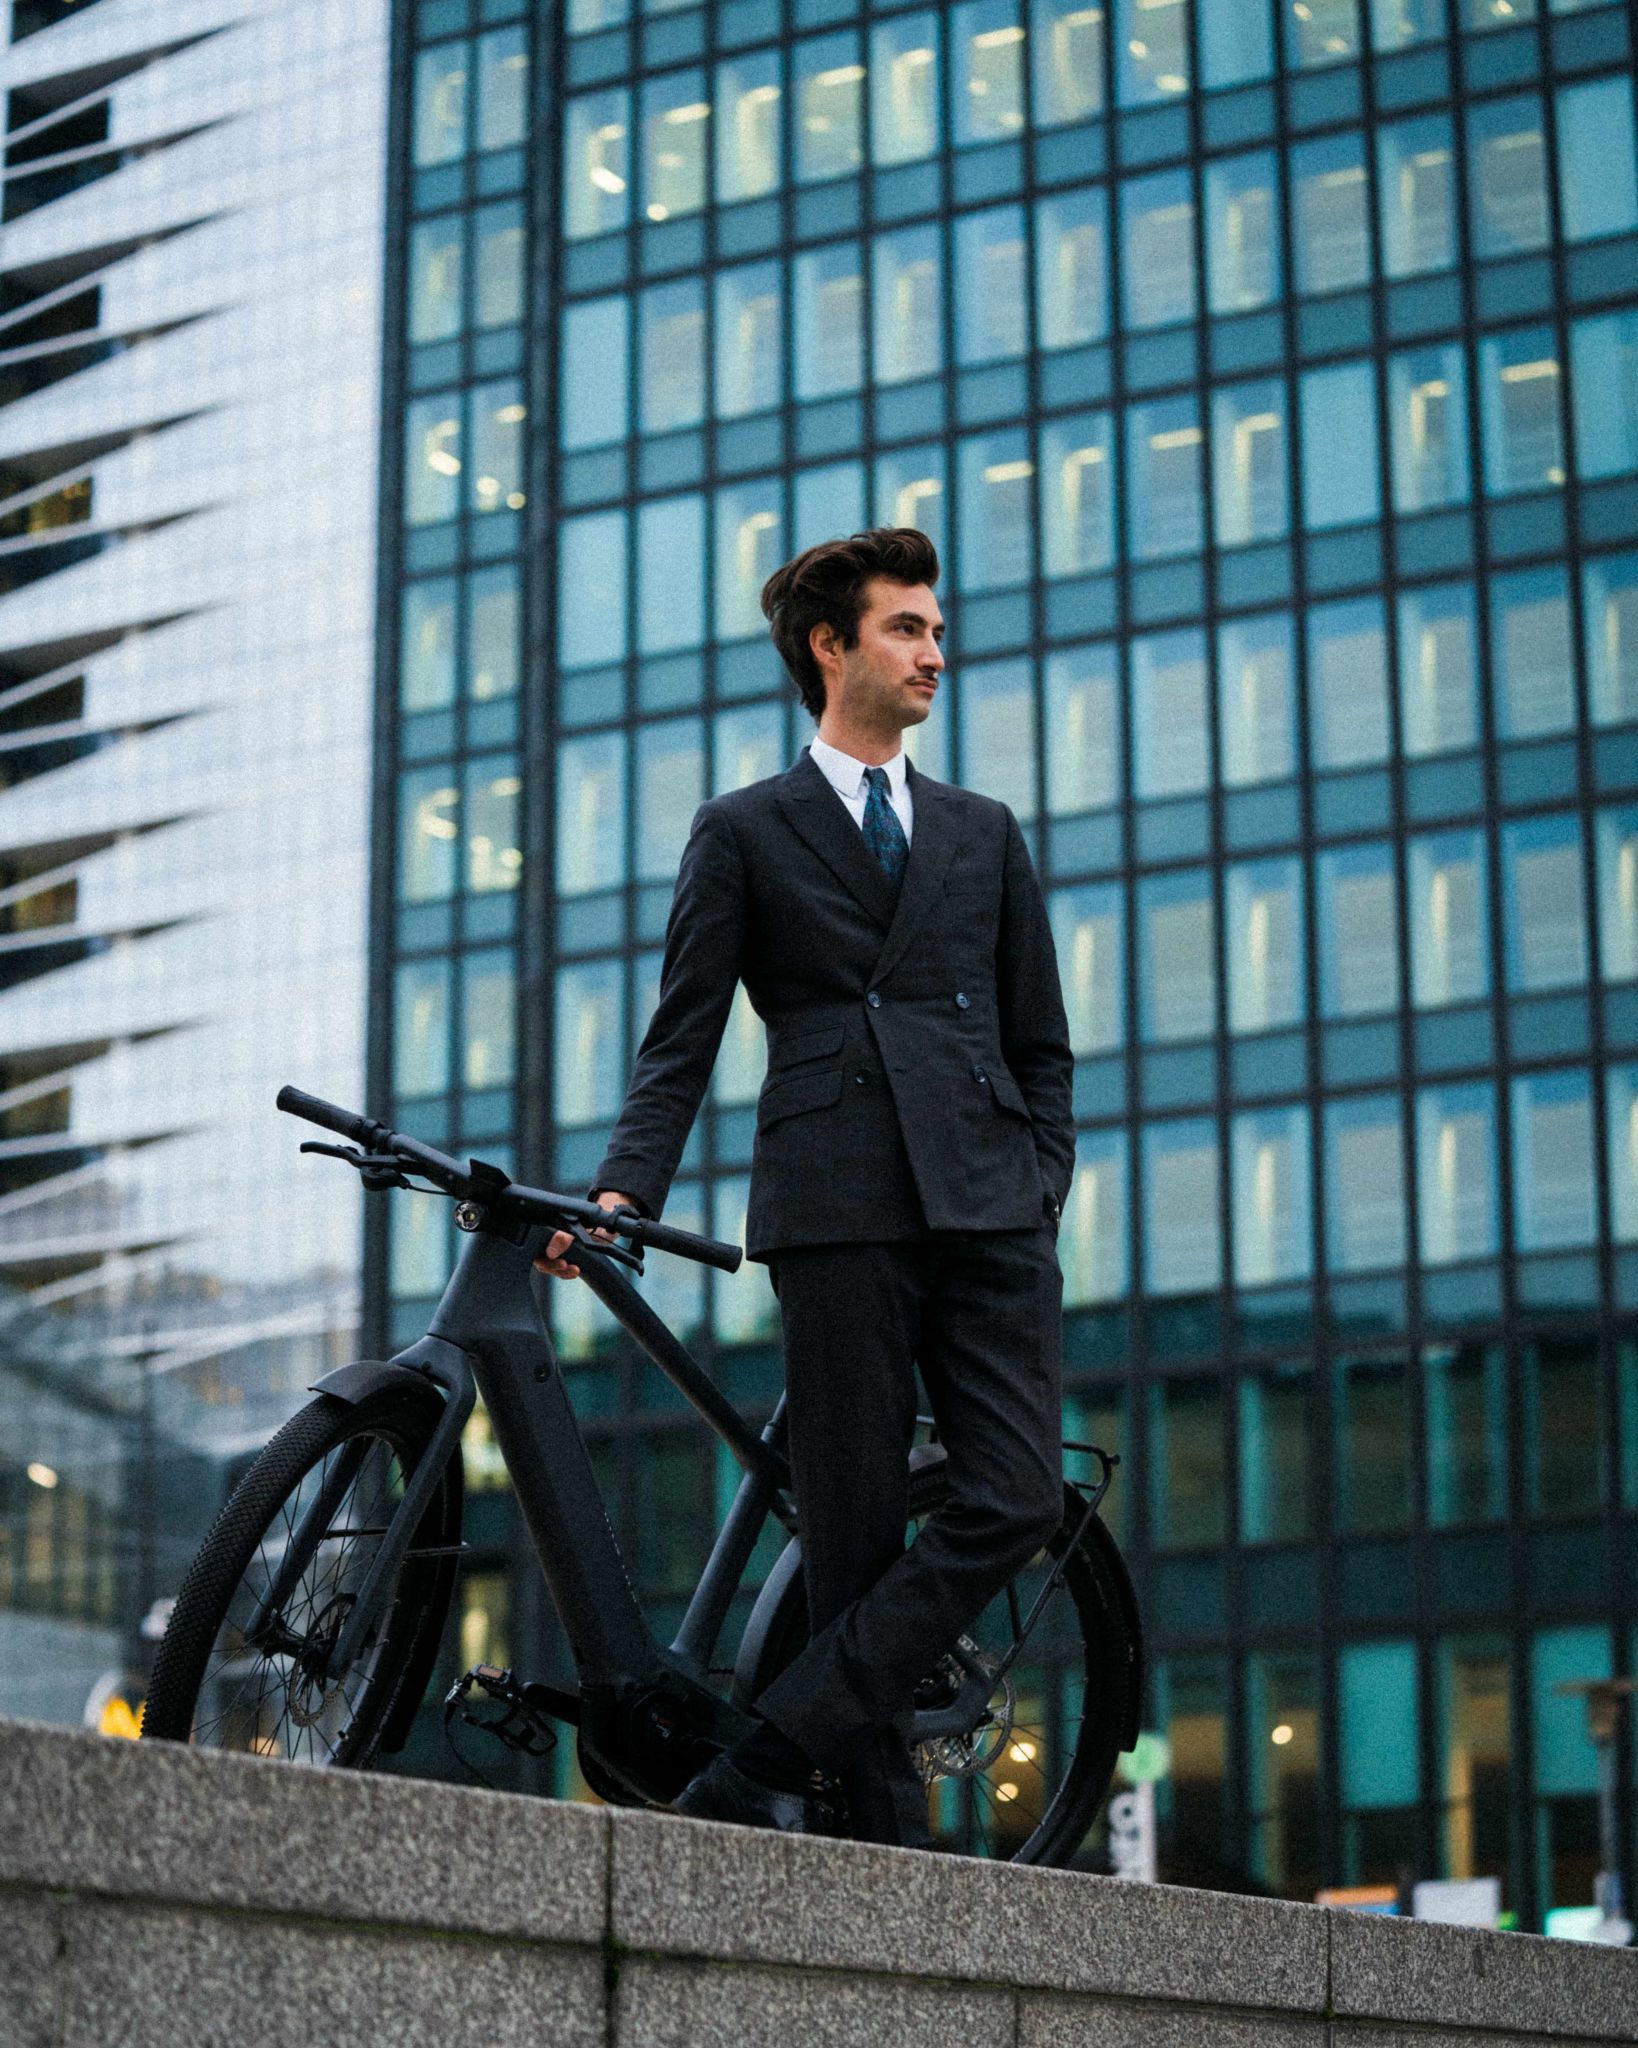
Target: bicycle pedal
521,1726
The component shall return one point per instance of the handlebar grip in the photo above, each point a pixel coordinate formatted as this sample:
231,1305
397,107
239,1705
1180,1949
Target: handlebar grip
347,1123
708,1251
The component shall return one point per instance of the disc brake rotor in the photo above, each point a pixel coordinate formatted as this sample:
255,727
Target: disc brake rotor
971,1754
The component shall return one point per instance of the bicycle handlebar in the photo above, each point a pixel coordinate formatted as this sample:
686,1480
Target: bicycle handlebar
455,1180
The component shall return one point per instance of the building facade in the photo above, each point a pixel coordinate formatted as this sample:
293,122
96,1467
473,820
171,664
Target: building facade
189,330
1267,373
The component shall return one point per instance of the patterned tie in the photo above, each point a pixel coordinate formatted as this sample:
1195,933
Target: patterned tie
883,833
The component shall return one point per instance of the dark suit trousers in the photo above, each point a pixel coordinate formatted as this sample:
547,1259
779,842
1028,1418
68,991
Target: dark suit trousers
981,1316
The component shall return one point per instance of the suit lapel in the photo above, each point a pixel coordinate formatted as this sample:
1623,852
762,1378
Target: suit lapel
817,814
932,847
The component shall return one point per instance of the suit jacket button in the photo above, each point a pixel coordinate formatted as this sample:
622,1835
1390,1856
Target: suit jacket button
859,1079
980,1076
961,1002
874,1000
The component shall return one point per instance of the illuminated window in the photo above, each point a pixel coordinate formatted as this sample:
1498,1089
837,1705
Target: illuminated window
596,164
904,89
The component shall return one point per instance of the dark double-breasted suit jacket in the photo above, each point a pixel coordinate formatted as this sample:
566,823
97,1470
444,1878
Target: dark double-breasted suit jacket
919,1067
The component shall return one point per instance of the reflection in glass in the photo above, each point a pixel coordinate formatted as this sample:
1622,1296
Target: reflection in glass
1242,232
488,1019
1094,1245
986,70
1609,604
592,383
1474,1691
1530,653
1417,194
670,785
1438,669
1187,1455
907,304
1604,357
493,633
829,501
1273,1229
1339,446
588,1043
1330,214
1554,1200
1543,905
997,702
503,88
1347,683
750,536
1284,1720
670,573
596,164
676,136
498,414
1519,405
829,89
996,483
1621,1141
1449,946
1373,1444
746,745
1157,249
1617,843
1183,1250
428,828
1597,179
1236,41
1507,175
1379,1746
1072,268
671,349
910,492
1358,931
1263,906
749,339
1563,1427
748,128
1365,1212
829,321
1249,498
904,96
1276,1455
426,648
591,589
497,267
1077,494
1089,931
1456,1171
1067,47
1151,50
1165,512
1256,725
1466,1392
591,813
1169,713
436,251
1427,400
420,1029
992,291
1083,752
1320,32
494,859
1396,24
1177,958
432,458
439,120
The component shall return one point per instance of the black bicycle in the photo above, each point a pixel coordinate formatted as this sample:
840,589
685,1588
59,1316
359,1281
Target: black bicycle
309,1623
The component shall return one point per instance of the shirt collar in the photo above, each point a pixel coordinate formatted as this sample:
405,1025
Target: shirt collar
847,776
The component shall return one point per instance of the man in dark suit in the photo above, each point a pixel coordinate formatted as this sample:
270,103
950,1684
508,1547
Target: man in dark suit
914,1147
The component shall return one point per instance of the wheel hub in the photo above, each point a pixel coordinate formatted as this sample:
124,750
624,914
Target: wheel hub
970,1754
312,1689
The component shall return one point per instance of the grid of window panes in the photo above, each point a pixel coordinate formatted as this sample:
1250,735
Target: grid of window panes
1268,377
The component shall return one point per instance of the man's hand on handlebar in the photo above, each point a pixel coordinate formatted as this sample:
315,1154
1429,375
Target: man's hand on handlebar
551,1260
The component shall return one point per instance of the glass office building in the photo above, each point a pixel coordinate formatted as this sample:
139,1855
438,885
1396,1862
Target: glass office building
1267,373
189,325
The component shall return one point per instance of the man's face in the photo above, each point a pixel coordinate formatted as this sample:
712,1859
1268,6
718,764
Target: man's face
889,677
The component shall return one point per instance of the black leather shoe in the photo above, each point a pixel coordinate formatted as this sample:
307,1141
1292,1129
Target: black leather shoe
722,1791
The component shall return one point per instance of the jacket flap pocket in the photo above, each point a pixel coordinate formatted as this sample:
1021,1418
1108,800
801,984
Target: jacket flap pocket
1008,1093
802,1091
808,1045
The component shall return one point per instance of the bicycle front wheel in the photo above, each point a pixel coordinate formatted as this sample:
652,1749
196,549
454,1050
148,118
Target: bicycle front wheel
237,1671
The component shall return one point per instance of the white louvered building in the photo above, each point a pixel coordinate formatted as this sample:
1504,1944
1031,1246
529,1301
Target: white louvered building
190,257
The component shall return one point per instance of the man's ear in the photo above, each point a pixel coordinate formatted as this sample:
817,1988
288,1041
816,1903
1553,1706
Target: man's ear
824,641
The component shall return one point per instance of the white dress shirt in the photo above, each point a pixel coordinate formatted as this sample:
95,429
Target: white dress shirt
847,777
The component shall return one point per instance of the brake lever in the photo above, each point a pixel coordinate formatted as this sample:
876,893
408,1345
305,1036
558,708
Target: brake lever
607,1246
376,1170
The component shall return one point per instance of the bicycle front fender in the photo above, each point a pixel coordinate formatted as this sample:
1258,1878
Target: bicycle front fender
365,1377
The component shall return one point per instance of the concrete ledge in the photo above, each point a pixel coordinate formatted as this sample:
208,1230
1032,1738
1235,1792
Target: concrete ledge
157,1896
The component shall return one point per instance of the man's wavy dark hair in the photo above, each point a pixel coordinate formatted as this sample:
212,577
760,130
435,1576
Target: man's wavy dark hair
825,585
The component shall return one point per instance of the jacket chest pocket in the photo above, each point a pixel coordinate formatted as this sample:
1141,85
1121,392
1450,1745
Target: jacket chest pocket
797,1093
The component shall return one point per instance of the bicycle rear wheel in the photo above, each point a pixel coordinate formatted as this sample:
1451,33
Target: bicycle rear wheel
229,1677
1026,1784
